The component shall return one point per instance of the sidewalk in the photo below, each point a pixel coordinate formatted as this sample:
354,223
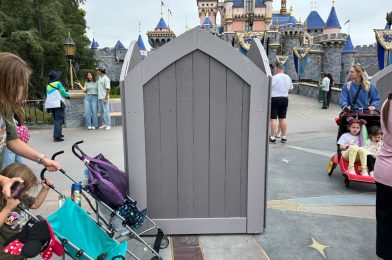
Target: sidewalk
303,201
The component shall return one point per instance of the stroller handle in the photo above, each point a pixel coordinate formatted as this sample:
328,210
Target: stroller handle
76,149
44,169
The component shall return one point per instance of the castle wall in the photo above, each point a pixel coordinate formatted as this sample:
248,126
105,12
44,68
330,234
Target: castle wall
332,61
366,55
259,26
237,26
288,45
313,67
347,62
106,58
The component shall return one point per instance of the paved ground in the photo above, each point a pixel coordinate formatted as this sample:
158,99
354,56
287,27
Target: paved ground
309,215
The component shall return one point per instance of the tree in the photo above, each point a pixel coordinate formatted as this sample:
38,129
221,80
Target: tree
36,31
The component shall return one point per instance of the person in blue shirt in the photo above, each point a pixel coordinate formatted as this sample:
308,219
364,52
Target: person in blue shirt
368,97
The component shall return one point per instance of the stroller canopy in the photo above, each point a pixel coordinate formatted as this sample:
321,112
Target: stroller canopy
72,223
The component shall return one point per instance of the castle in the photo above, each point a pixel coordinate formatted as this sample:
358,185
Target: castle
327,48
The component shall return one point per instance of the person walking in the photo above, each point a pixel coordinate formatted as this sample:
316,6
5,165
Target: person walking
325,88
103,84
281,85
383,178
90,102
55,102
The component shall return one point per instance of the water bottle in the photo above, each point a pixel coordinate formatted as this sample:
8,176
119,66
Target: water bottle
76,192
85,177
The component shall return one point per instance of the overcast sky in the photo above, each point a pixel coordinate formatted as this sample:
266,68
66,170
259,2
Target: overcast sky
109,21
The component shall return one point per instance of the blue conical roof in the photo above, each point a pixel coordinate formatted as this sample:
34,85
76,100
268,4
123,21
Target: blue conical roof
119,45
259,3
314,21
332,21
140,43
94,44
348,47
161,25
207,22
292,20
238,3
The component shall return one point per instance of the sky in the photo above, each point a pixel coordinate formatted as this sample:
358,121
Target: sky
109,21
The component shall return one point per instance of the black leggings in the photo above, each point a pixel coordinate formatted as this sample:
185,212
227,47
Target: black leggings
370,162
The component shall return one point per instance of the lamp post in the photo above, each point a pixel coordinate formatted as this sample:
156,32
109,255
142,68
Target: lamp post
69,48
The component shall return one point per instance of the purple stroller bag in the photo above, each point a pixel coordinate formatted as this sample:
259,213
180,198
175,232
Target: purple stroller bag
108,183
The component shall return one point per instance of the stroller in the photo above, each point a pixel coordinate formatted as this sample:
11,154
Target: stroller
373,119
114,208
79,235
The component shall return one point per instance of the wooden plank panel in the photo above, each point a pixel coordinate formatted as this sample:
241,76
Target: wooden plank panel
244,148
168,112
233,144
217,138
201,145
153,147
185,136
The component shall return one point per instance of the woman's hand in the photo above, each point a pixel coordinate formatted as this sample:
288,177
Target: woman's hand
7,183
371,108
46,183
51,165
12,203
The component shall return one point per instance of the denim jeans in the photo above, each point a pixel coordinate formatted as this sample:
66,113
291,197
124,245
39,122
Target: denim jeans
58,118
91,110
11,157
104,112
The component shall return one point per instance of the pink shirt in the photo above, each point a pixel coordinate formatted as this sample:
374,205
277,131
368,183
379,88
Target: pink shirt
383,167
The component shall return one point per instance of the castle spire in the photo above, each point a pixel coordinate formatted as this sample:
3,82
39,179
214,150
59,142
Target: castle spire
291,10
283,9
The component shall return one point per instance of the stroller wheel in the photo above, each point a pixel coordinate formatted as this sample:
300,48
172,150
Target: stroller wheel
164,242
331,166
346,181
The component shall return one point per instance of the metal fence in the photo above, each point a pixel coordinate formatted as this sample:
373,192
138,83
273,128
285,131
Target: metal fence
36,114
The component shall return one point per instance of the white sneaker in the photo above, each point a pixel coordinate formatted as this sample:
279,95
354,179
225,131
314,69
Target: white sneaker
107,127
371,174
365,172
351,170
89,128
92,128
102,127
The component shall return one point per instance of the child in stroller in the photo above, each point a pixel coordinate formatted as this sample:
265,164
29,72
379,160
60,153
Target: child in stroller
349,145
12,218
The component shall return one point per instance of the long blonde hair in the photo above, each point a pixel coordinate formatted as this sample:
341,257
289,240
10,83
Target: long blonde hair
14,74
22,171
364,78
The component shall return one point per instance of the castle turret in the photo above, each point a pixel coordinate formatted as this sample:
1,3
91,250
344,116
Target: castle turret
333,44
207,8
332,25
268,13
161,35
291,34
314,24
142,48
348,52
228,18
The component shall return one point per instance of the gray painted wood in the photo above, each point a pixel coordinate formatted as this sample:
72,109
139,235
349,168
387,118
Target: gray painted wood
208,135
244,148
153,146
168,129
217,139
201,161
185,136
234,125
382,80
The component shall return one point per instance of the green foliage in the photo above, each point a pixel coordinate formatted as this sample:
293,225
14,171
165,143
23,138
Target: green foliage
115,89
36,30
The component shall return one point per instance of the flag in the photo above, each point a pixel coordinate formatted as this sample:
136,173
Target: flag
162,3
346,22
169,11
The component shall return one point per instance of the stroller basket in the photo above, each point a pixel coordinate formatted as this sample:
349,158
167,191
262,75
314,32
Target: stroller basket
71,223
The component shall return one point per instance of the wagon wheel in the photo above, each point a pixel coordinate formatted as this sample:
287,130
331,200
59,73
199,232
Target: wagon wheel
331,166
346,181
164,242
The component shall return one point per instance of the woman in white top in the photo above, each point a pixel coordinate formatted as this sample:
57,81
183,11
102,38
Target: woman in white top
90,102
